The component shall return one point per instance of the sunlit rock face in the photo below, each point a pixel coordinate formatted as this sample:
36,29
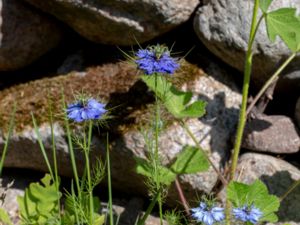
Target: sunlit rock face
120,22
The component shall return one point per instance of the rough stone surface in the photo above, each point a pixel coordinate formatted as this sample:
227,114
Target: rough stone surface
297,113
275,134
278,175
224,26
25,35
119,86
120,22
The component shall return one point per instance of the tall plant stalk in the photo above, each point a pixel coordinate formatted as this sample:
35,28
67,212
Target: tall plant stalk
88,170
156,154
242,116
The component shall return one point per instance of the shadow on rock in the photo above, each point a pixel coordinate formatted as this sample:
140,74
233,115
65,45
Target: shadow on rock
290,206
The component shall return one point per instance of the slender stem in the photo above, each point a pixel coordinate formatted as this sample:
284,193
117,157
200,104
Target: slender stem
71,150
182,197
270,81
242,117
111,217
247,75
10,131
39,138
290,189
88,170
190,133
54,158
156,154
149,209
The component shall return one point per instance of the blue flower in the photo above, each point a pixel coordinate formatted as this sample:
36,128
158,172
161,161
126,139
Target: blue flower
90,110
156,60
247,214
208,215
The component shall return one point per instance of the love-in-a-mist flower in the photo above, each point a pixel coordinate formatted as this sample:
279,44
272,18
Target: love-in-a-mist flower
247,214
208,215
156,59
82,110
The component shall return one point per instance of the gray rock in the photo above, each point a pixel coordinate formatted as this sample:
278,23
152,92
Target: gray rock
25,35
224,25
278,175
275,134
120,22
297,112
126,140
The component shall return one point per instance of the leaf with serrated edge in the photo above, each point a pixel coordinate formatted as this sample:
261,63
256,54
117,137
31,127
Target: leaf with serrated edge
177,102
190,160
284,23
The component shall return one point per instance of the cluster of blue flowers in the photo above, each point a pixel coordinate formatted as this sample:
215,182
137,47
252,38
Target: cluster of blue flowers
156,60
210,215
83,111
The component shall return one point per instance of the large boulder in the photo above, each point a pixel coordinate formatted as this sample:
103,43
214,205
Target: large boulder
224,25
25,34
278,175
260,133
119,22
119,85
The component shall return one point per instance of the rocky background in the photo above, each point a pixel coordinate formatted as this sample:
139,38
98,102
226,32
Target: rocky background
47,46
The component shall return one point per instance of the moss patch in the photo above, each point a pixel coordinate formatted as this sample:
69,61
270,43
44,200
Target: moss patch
117,84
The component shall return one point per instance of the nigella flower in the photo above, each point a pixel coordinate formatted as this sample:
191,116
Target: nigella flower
208,215
156,60
86,110
247,214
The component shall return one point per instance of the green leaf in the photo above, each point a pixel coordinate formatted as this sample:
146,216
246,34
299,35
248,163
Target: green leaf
257,194
144,168
177,102
190,160
99,219
40,202
284,23
4,217
264,5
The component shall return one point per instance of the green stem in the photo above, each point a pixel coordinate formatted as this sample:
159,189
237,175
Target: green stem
270,81
242,117
290,189
71,150
54,158
149,209
111,217
10,131
157,118
247,75
190,133
88,171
